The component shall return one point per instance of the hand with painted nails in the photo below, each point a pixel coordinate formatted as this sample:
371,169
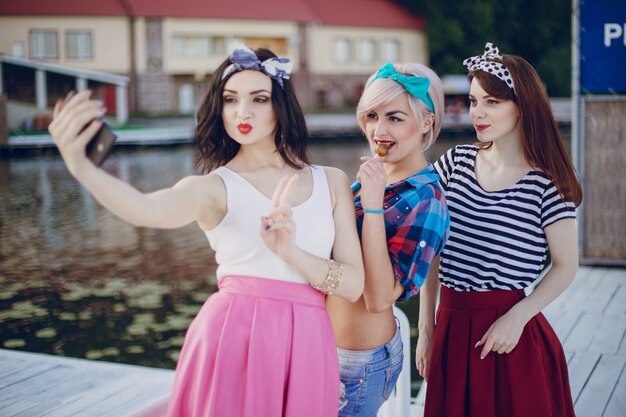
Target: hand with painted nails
74,124
373,180
278,229
503,335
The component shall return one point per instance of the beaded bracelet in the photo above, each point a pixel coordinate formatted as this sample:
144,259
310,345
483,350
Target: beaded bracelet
333,278
381,211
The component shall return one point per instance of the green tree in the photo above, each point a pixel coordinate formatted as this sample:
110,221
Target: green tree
538,30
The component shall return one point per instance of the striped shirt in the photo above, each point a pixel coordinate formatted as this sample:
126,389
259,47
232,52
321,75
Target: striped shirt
497,238
417,225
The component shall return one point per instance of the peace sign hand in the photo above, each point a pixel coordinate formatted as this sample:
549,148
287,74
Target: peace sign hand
278,229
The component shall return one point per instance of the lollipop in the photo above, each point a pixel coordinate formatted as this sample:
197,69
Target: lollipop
381,149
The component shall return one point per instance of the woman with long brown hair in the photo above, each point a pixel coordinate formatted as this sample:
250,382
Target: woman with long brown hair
512,199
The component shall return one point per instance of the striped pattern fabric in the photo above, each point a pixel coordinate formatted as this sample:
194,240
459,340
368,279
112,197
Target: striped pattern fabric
416,226
497,238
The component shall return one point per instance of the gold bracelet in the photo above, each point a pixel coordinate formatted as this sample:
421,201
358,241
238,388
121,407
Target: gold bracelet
333,278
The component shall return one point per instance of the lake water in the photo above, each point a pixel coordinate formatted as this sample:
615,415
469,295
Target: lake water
76,281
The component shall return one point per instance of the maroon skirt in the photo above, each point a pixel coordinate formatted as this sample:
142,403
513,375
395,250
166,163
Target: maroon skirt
532,380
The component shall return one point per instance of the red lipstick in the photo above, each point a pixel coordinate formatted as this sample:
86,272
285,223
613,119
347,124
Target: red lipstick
244,128
480,128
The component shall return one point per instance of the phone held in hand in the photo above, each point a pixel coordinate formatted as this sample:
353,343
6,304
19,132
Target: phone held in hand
100,146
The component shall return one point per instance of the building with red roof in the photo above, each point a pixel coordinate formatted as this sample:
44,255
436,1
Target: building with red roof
169,49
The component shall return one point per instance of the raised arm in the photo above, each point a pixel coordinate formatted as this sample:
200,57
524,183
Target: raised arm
187,201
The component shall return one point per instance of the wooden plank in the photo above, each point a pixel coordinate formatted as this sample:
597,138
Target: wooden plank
48,385
617,403
78,384
617,305
580,367
21,374
582,334
22,395
105,397
595,395
565,322
128,401
609,335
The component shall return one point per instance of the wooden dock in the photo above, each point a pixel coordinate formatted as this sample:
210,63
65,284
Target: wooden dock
589,317
33,384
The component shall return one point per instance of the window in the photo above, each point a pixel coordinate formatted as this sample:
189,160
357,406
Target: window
367,51
44,44
79,44
191,46
342,50
391,50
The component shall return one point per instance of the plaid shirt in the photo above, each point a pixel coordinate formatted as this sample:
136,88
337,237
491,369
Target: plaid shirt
417,225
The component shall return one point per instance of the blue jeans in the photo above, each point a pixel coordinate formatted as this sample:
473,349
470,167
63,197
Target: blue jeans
368,377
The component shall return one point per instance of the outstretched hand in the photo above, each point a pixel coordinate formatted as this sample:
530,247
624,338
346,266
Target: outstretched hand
74,123
278,229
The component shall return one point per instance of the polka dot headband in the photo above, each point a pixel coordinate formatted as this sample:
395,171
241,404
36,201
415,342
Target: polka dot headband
484,63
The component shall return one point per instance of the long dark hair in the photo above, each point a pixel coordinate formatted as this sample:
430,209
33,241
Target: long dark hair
217,148
541,139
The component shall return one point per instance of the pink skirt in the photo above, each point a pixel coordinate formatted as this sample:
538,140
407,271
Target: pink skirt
258,348
532,380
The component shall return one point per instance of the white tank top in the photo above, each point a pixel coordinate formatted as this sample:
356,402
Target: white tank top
239,248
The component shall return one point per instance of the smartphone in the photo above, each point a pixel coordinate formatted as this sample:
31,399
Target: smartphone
100,146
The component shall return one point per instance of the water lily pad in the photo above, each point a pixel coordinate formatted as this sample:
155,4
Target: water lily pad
66,316
119,308
177,322
177,341
46,333
189,310
94,354
200,297
14,343
7,295
135,349
137,330
173,355
110,351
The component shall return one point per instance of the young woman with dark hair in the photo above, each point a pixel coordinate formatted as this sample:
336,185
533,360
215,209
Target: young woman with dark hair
284,235
512,199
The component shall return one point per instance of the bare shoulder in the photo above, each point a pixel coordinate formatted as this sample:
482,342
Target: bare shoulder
336,177
208,183
338,184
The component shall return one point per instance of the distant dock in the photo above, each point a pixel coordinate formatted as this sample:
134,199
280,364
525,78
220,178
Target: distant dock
176,131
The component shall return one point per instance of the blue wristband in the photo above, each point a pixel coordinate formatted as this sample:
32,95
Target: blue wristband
381,211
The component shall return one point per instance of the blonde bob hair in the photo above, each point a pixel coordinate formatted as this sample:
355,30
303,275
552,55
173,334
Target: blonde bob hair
379,92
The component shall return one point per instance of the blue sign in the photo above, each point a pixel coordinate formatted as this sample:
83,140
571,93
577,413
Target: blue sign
603,46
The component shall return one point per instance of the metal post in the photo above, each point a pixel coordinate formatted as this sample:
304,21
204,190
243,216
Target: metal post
577,145
121,104
81,84
41,89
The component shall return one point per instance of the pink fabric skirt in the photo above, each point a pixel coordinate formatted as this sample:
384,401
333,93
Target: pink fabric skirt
531,381
258,348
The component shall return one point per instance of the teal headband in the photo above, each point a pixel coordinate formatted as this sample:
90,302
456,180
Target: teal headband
416,86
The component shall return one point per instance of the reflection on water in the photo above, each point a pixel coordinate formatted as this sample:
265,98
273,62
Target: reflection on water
77,281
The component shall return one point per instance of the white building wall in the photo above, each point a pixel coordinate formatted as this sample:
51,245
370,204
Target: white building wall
110,41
